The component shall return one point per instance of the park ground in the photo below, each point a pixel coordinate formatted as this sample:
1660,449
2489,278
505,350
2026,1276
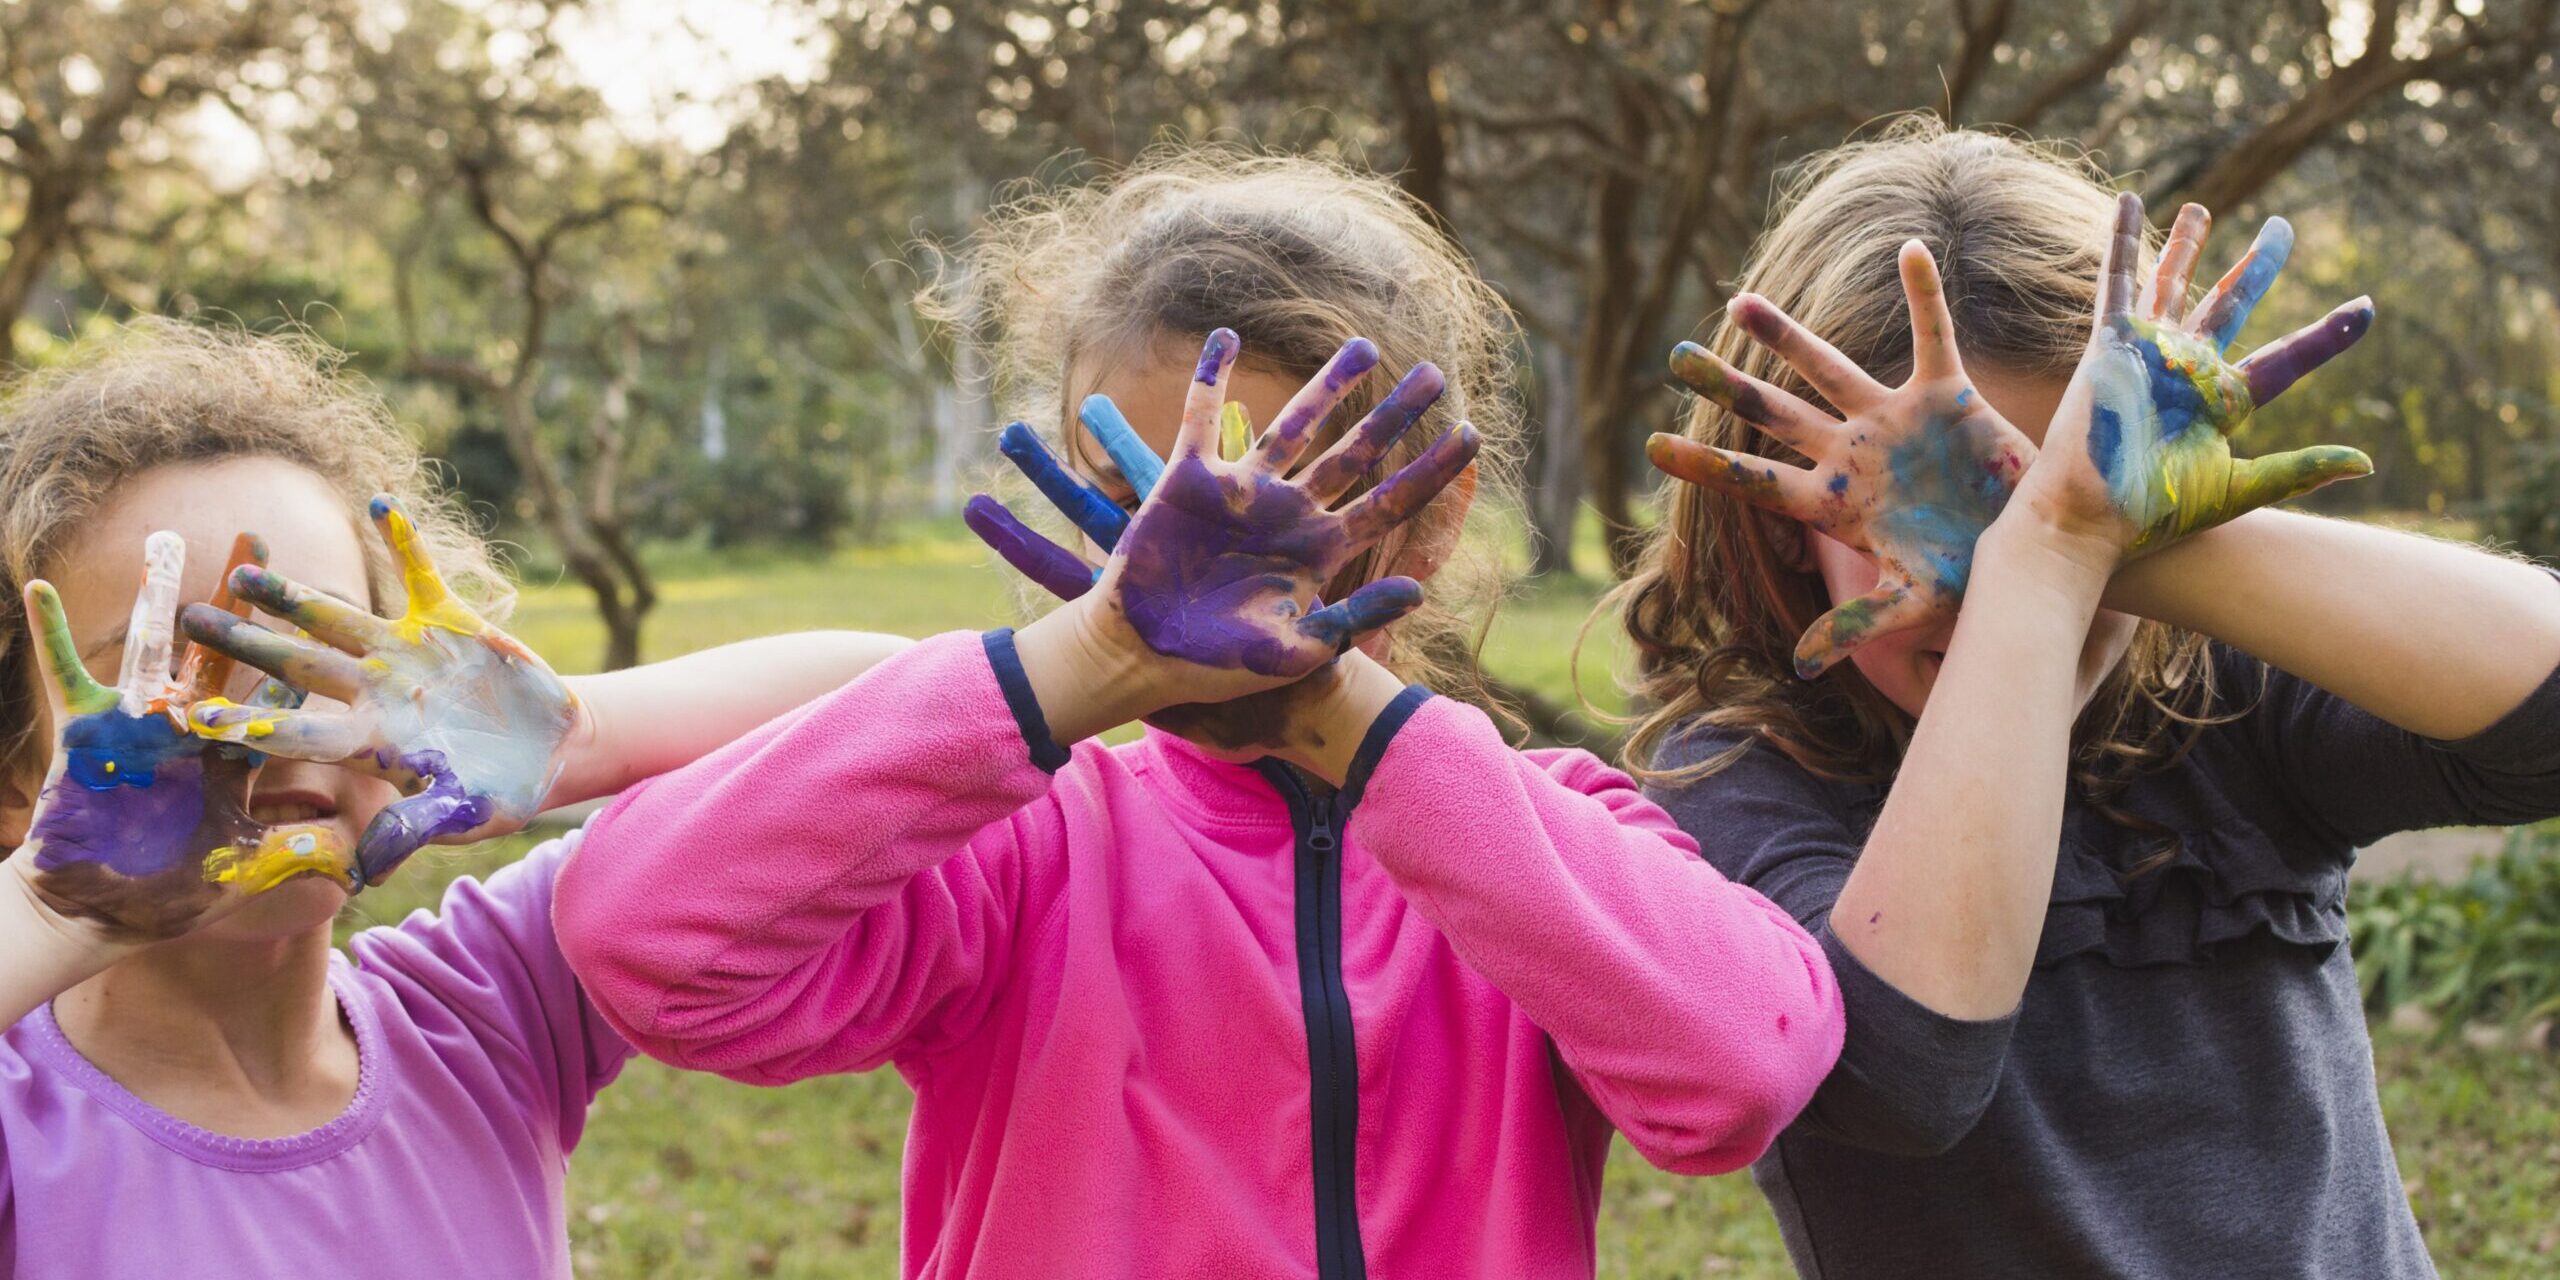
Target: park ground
685,1175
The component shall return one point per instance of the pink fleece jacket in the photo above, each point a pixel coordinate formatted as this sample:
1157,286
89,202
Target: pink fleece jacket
1165,1016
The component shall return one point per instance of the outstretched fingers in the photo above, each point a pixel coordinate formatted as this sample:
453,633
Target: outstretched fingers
2165,298
1401,496
150,638
2281,363
1339,626
1933,328
1199,432
1835,376
1333,474
2124,252
2261,482
325,737
1299,422
316,668
1770,408
428,595
1110,428
1058,571
202,672
58,655
408,824
1891,607
1090,509
333,620
1774,486
1235,431
2240,290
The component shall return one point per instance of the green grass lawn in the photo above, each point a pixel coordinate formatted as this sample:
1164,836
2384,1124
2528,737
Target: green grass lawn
686,1175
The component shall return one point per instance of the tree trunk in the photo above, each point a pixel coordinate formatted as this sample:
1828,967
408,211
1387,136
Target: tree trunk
1424,124
41,233
1610,329
1555,498
581,551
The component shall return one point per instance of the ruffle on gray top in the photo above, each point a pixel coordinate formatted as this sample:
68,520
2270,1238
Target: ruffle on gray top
2187,1087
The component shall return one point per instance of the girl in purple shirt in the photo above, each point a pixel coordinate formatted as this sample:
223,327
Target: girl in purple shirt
193,1081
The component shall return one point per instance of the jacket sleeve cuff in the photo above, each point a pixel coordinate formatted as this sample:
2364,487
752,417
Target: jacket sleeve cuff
1373,744
1018,698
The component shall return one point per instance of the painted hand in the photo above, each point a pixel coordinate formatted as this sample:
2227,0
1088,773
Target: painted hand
2139,448
143,830
464,719
1912,476
1219,568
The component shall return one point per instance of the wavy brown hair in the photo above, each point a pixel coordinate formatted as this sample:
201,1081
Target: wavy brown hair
156,392
1297,255
1722,591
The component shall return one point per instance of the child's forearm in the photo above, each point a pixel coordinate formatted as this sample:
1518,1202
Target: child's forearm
1696,1014
1948,898
810,897
2435,637
644,721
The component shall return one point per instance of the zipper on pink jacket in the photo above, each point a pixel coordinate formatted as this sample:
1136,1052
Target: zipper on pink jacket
1333,1069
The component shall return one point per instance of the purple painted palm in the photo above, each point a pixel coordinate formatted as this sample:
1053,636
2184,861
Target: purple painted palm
143,831
1222,564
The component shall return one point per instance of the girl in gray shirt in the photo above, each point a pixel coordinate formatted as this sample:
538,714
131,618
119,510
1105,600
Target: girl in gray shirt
2078,851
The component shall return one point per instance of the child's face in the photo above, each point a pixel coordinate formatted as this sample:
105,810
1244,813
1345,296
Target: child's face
312,537
1903,666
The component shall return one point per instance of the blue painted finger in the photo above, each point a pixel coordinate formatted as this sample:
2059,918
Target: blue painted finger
1057,570
1138,464
1087,507
2240,290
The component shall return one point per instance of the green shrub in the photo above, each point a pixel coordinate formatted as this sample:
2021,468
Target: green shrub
2528,517
2483,948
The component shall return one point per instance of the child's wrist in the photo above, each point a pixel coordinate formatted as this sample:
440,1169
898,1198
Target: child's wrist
588,768
2027,539
46,947
1083,680
1325,735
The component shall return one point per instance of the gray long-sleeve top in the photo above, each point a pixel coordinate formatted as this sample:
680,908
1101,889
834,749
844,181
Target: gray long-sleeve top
2186,1088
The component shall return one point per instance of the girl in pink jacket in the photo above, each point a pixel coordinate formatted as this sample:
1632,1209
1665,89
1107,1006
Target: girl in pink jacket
1317,978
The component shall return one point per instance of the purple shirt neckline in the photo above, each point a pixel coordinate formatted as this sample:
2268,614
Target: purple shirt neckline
205,1147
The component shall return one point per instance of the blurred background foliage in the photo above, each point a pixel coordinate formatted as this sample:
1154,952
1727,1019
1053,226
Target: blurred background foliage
642,271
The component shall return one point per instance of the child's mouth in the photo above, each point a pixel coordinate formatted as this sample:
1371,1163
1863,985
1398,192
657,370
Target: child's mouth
284,810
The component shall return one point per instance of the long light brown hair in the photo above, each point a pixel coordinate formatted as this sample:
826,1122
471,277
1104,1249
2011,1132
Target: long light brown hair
1297,255
1722,591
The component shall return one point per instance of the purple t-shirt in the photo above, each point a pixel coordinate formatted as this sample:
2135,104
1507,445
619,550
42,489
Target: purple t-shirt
478,1053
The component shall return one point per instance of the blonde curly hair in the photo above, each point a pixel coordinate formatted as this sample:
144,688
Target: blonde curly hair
156,392
1297,255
